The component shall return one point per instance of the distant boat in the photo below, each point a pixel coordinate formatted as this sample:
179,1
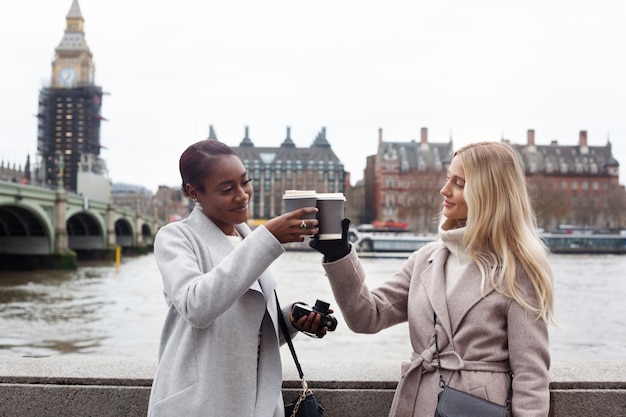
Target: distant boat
378,242
369,239
585,243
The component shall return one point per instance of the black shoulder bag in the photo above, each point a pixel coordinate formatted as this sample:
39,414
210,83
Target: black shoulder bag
305,405
454,403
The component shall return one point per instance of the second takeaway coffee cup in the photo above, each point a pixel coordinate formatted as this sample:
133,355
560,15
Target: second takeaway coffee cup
330,215
295,199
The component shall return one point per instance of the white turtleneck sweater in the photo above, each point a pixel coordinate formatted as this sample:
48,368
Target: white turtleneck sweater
458,259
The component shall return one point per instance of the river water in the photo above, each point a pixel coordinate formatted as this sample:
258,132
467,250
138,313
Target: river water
103,310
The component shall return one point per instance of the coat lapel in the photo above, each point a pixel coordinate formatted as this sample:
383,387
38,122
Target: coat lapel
217,252
466,294
266,284
434,283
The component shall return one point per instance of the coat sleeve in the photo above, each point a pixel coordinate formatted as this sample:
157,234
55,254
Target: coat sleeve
529,358
199,293
365,310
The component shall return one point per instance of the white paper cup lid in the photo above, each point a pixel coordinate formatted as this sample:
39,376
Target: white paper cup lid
331,196
299,194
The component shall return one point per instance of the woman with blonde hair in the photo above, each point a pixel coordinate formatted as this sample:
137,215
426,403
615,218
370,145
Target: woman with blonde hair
482,291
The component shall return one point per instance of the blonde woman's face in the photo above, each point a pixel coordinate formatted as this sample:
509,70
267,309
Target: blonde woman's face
454,206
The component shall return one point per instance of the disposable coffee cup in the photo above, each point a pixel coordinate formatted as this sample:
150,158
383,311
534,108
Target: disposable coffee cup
295,199
330,215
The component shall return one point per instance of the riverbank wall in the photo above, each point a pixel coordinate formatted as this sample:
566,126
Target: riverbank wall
80,386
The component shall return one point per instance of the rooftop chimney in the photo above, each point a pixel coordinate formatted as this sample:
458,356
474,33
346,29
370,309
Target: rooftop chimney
424,135
380,135
582,139
531,137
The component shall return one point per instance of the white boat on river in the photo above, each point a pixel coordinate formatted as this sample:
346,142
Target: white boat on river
372,240
379,241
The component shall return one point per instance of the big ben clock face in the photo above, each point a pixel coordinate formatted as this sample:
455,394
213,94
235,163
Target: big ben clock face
68,77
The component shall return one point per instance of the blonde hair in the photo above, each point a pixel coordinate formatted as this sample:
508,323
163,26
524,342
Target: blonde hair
501,232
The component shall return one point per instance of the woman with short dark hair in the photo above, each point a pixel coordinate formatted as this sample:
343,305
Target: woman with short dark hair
219,351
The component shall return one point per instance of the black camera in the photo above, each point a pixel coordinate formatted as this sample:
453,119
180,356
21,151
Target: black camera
320,307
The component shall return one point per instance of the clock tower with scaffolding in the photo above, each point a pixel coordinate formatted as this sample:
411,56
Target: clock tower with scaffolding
68,140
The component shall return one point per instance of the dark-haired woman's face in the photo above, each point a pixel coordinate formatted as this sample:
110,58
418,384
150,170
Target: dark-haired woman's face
226,193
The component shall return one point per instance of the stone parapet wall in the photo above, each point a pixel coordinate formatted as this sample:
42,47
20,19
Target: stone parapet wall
93,386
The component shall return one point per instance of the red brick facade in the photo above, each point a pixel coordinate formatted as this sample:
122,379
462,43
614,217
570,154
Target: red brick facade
576,185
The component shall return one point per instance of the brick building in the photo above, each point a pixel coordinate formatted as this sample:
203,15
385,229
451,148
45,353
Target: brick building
576,185
402,182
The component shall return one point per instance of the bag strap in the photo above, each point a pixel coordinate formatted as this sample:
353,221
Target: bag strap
442,382
287,336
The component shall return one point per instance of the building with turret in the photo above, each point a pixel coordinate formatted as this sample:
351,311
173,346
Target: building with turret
288,167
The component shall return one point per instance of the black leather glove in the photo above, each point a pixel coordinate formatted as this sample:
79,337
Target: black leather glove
333,249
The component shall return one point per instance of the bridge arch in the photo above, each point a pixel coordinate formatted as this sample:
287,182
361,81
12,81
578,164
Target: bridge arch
147,235
124,235
85,232
24,231
57,228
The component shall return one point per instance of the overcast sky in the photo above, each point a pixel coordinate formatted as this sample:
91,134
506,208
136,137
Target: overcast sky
470,70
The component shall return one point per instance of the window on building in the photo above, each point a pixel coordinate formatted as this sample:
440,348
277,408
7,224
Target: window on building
320,170
277,172
267,179
256,174
267,157
388,199
288,170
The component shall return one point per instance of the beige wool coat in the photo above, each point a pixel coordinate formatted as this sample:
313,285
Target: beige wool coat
219,350
480,336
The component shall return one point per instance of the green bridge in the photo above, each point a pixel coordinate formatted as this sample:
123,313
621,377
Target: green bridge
44,228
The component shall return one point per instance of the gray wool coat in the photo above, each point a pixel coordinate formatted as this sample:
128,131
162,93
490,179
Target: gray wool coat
219,350
481,335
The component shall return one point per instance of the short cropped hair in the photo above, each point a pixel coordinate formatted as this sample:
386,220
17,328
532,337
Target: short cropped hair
197,161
